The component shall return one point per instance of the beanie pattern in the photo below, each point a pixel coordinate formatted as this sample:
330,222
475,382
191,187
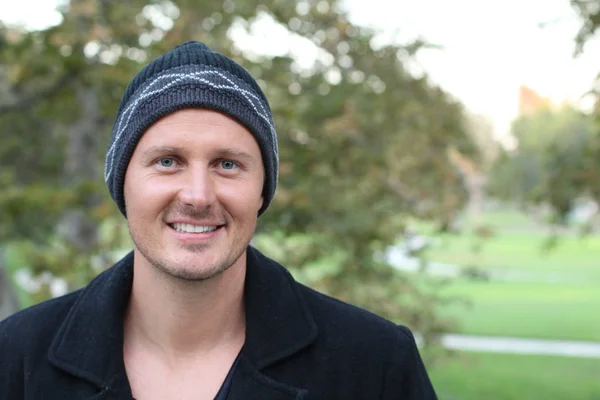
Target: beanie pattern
191,85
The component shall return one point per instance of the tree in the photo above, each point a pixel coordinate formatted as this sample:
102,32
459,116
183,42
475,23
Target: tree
363,144
555,161
589,13
558,156
8,298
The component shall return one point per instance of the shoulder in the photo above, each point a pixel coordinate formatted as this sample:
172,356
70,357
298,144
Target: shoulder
347,324
25,338
354,325
326,308
380,355
35,323
42,319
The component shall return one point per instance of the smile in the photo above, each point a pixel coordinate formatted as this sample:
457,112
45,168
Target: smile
188,228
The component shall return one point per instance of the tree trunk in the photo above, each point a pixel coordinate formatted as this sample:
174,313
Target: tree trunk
82,166
9,304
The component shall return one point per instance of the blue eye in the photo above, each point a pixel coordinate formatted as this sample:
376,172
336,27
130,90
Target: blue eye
227,164
166,162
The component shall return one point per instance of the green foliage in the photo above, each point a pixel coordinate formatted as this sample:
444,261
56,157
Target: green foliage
589,13
363,144
556,162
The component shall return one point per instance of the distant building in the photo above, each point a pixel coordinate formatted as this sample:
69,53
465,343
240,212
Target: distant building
531,101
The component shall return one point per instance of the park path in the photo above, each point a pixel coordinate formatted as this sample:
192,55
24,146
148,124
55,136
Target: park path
509,345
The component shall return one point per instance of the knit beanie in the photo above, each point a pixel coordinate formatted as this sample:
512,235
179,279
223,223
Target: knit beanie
190,76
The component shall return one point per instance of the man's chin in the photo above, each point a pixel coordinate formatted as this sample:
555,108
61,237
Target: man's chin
192,273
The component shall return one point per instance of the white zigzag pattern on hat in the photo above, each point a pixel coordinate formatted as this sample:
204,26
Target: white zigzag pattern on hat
181,77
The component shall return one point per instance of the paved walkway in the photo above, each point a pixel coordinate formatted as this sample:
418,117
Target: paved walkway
521,346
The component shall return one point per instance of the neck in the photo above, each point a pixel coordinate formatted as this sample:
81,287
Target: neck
176,317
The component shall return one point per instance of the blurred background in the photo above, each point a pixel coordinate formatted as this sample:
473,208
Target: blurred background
440,164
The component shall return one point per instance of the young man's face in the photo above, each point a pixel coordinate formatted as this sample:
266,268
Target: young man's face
192,191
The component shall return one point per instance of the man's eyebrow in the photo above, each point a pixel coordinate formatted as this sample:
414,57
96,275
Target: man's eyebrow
162,149
225,152
235,153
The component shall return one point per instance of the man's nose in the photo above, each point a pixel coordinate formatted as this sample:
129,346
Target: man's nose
198,188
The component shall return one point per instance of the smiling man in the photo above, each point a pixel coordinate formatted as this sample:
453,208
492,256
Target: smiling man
194,312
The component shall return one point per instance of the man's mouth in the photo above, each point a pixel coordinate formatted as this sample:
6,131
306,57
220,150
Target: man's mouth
188,228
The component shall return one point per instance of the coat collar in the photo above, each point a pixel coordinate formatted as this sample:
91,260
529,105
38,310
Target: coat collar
278,323
89,343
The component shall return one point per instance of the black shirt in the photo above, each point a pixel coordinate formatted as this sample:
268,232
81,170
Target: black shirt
224,391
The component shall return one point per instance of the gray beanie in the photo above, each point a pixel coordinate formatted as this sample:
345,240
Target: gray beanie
190,76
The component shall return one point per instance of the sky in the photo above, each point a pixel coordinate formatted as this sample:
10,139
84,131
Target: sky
488,48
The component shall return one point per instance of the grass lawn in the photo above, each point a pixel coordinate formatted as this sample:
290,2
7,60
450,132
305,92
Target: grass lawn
476,376
579,258
509,219
534,310
550,295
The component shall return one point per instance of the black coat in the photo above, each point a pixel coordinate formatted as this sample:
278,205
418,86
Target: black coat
300,344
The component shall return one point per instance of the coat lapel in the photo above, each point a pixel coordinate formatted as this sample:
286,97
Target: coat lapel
249,384
89,344
278,323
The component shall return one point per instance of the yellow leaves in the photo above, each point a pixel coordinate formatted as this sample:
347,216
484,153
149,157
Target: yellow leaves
323,169
286,168
284,198
345,123
301,200
13,36
103,210
15,72
86,8
100,32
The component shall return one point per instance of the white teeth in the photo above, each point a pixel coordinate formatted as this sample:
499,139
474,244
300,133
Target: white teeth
193,228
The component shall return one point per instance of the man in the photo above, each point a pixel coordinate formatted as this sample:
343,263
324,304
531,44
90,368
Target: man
194,312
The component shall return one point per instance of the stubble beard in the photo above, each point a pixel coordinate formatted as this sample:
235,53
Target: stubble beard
197,272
